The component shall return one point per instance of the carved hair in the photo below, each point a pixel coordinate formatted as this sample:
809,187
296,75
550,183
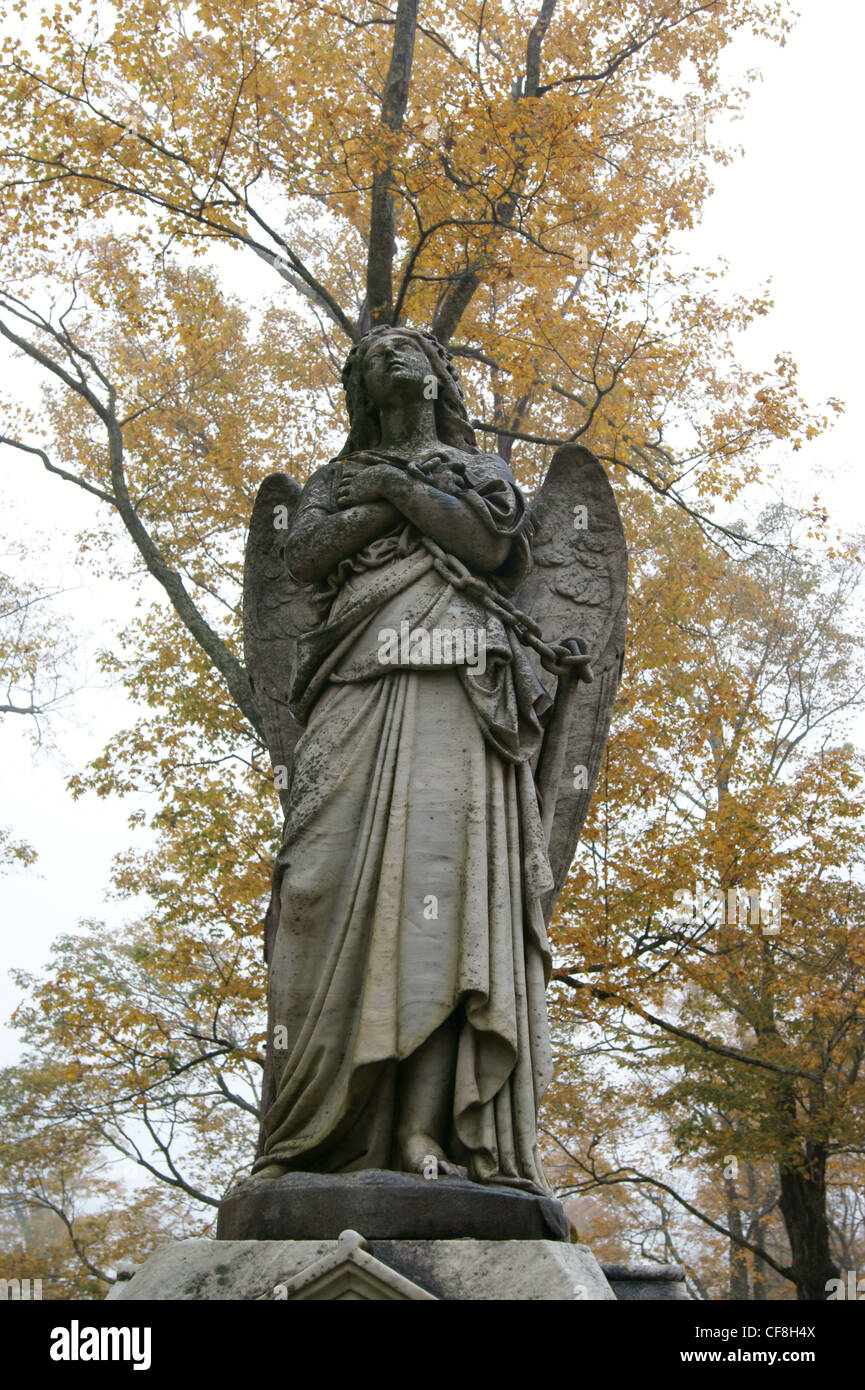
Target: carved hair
451,417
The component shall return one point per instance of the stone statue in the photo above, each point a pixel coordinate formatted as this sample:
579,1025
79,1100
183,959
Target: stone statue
437,739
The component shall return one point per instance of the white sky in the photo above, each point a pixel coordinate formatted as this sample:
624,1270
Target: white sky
790,209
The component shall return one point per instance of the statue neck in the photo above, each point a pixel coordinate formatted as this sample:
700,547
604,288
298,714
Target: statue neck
409,428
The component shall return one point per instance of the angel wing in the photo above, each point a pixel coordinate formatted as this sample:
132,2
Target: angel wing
276,610
577,588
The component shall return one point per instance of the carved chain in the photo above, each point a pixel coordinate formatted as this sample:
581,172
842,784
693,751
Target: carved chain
560,658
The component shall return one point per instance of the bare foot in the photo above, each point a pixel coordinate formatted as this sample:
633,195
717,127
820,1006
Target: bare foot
420,1151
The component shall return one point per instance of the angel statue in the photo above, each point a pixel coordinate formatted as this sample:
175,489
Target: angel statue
435,660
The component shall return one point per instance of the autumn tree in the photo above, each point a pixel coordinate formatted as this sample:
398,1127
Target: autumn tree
65,1219
509,178
715,914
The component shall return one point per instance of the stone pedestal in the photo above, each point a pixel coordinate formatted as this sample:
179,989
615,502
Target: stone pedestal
353,1268
379,1235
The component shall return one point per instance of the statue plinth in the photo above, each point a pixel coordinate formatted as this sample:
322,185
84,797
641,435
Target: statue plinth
386,1205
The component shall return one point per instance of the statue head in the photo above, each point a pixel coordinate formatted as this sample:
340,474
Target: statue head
401,361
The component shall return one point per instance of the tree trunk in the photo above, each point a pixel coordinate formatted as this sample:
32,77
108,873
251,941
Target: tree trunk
739,1290
757,1234
803,1207
379,276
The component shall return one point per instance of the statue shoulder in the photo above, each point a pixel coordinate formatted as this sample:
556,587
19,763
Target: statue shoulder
317,491
482,466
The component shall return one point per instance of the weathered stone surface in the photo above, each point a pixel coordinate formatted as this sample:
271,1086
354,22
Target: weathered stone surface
210,1270
485,1270
385,1206
451,1270
647,1283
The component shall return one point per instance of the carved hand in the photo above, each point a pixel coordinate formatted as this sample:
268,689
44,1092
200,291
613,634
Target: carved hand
366,485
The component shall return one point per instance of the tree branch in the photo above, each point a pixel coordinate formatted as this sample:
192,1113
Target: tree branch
720,1049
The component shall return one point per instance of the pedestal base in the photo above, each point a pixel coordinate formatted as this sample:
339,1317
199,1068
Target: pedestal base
354,1268
386,1206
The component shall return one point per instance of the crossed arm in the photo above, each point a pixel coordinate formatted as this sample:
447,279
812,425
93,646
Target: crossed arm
371,502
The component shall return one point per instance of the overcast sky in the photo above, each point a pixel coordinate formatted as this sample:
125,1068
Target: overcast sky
790,209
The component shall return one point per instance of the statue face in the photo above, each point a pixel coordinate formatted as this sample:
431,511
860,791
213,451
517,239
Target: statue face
394,367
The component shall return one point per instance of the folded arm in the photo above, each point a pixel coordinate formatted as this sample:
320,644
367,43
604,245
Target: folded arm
450,520
320,538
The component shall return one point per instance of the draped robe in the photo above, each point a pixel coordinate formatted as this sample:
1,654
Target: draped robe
413,861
